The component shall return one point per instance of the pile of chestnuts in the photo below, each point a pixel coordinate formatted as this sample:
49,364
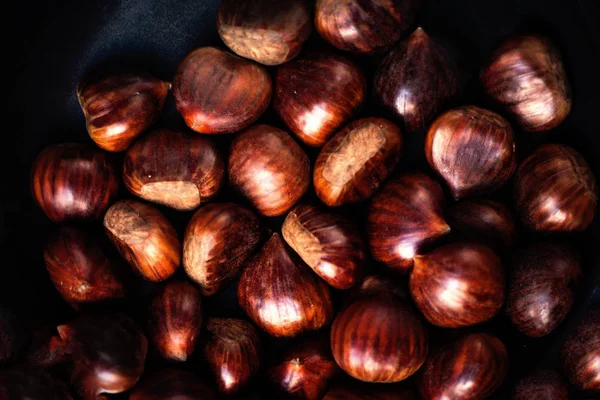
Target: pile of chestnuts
355,277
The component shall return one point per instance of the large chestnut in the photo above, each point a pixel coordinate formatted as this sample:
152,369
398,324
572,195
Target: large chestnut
356,161
368,391
267,31
171,384
541,385
472,149
470,368
218,92
119,107
31,383
404,216
190,173
555,190
74,181
581,354
268,167
527,76
281,294
328,243
459,284
145,238
317,94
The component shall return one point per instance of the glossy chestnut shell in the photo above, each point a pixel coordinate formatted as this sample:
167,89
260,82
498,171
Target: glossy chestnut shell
542,385
171,384
31,383
581,354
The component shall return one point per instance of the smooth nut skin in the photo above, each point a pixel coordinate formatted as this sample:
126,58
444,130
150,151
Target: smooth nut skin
269,168
145,238
281,294
364,27
190,173
581,354
328,243
541,385
472,149
555,190
458,285
218,240
270,32
470,368
218,92
31,383
542,287
317,94
171,384
368,391
354,163
118,108
527,76
74,182
403,217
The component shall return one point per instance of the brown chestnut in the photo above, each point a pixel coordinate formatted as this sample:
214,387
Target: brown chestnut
31,383
281,294
527,76
74,181
45,349
218,92
541,385
581,354
171,384
472,149
145,238
368,391
269,168
555,190
376,285
353,164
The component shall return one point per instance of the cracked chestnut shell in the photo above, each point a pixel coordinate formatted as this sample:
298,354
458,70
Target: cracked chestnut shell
541,385
171,384
581,352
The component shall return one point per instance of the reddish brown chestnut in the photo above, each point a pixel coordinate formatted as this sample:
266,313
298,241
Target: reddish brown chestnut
31,383
267,31
527,76
541,385
581,354
119,107
281,294
145,238
190,173
268,167
404,216
472,149
555,190
317,94
353,164
458,285
369,391
329,243
74,181
171,384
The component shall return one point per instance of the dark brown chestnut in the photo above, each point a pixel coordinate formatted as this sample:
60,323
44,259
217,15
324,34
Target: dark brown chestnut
268,167
171,384
581,354
270,32
119,107
45,349
328,243
31,383
190,173
555,190
542,287
218,240
317,94
541,385
376,285
472,149
472,367
404,216
218,92
527,76
74,181
281,294
145,238
459,284
353,164
368,391
364,27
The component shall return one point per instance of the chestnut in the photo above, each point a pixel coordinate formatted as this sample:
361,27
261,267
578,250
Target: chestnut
45,349
74,181
328,243
368,391
581,354
267,31
458,284
31,383
403,217
145,238
281,294
472,367
376,285
472,149
171,384
542,287
353,164
317,94
119,107
555,190
526,75
190,173
541,385
269,168
218,92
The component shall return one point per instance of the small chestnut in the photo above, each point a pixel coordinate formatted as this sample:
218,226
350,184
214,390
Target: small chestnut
581,354
31,383
171,384
541,385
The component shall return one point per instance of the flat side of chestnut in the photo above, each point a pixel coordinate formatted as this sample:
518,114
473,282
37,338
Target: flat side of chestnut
171,384
581,352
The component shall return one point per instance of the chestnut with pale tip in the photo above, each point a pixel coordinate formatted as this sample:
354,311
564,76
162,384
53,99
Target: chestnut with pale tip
581,354
171,384
541,385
